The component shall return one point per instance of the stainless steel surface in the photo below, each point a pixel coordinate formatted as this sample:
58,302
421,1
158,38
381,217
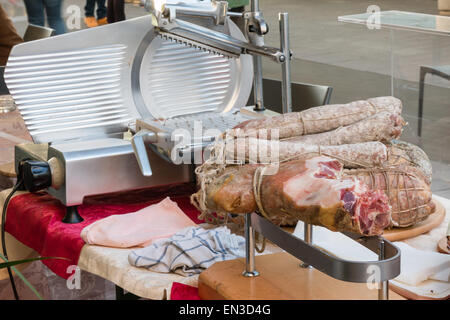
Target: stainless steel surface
77,85
308,232
180,138
250,270
286,66
108,165
258,84
254,5
383,290
402,20
59,93
226,45
96,82
138,144
235,14
176,79
353,271
256,28
214,9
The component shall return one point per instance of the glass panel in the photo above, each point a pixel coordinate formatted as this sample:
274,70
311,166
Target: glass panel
403,20
419,66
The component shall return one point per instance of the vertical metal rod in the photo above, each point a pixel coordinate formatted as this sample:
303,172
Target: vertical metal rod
254,5
286,65
249,248
257,63
258,84
392,43
383,286
308,237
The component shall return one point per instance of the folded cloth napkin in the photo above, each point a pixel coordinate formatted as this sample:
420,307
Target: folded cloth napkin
418,265
337,243
189,251
138,229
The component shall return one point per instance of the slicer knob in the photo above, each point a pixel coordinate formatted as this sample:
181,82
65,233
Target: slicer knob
57,171
36,175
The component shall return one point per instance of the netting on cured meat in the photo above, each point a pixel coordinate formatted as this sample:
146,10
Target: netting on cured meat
338,166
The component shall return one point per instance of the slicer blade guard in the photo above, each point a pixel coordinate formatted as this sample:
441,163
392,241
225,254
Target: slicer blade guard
95,83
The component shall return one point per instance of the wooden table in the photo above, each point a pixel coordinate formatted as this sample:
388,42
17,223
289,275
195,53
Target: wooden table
281,278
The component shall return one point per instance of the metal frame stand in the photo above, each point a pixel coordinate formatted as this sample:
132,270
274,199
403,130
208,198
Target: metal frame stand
250,270
383,286
256,29
388,261
286,93
308,236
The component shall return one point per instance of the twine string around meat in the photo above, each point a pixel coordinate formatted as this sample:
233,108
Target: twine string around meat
373,109
218,161
394,197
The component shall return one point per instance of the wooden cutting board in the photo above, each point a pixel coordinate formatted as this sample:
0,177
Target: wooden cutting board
281,278
442,246
435,219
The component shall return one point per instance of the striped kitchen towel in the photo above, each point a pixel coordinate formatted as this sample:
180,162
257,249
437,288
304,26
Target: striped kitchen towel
189,251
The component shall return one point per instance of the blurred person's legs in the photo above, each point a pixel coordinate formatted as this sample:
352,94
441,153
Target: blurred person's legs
101,12
89,19
53,10
116,10
35,12
8,36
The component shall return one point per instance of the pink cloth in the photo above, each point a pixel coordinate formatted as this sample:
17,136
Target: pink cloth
138,229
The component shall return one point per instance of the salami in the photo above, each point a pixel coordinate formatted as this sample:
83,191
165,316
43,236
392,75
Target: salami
310,190
383,126
254,150
403,153
319,119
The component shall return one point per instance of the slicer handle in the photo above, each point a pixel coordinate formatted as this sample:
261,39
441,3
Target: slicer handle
138,143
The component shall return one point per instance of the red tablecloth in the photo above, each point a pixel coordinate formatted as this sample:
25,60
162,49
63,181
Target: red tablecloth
35,220
181,291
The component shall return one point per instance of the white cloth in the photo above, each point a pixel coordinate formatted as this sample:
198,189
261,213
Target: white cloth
337,244
189,251
418,265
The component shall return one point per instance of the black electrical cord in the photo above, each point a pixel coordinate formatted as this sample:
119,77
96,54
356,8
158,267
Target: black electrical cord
5,205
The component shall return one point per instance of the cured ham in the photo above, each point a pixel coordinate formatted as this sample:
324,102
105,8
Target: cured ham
311,190
339,166
406,187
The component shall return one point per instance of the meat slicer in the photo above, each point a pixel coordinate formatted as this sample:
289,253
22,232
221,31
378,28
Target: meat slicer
105,106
